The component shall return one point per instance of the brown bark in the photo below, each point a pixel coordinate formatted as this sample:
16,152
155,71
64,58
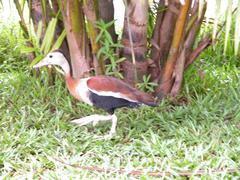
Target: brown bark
204,43
167,30
135,40
76,36
187,48
154,68
162,37
38,14
166,80
35,12
106,13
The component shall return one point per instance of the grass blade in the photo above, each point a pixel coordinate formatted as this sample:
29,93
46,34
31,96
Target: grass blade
216,19
228,25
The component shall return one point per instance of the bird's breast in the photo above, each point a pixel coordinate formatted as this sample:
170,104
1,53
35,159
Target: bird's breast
79,90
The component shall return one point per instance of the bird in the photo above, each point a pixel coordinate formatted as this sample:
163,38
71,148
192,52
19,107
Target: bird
104,92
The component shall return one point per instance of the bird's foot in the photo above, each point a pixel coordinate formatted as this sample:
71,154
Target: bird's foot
109,136
94,123
94,119
82,121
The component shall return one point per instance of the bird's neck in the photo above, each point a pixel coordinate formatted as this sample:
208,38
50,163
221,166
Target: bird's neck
69,82
68,77
72,85
66,69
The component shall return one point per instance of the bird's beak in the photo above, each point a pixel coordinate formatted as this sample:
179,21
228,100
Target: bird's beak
43,62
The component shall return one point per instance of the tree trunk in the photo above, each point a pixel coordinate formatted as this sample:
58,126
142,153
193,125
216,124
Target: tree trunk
74,23
134,40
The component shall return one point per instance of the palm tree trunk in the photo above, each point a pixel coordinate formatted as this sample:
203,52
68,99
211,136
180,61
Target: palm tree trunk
134,40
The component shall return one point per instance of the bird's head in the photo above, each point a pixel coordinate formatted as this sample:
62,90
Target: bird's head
54,58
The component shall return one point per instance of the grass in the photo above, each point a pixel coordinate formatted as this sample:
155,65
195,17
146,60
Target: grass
202,134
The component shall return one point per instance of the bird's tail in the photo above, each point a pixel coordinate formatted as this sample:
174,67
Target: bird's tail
146,99
152,104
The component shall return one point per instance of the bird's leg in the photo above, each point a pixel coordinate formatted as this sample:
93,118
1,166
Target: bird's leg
92,118
114,124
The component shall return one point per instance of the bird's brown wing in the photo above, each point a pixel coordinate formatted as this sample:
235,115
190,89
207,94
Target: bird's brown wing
105,85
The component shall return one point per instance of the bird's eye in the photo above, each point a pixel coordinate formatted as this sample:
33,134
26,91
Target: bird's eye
50,56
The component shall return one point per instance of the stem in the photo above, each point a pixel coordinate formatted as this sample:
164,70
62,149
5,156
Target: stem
166,80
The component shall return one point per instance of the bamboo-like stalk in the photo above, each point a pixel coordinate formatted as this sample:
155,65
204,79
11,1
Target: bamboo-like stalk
216,19
163,34
187,48
90,9
154,69
237,30
59,29
74,23
228,25
166,80
204,43
24,28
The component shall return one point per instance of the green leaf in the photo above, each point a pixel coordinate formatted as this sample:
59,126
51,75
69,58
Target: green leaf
22,4
49,36
99,36
26,49
121,60
44,9
39,31
60,39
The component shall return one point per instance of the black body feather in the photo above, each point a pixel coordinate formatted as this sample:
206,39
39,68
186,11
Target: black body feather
110,103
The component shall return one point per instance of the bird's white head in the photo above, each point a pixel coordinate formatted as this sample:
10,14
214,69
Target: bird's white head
54,58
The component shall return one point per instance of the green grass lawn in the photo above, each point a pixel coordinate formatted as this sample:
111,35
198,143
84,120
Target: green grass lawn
38,141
